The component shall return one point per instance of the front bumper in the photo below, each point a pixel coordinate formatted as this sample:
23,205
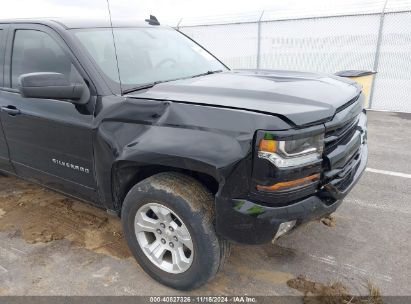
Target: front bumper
245,221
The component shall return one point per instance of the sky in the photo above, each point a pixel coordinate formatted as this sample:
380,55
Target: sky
171,11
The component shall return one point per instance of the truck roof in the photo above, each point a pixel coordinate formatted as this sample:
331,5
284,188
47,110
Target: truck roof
72,23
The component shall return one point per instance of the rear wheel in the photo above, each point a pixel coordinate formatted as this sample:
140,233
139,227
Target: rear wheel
168,224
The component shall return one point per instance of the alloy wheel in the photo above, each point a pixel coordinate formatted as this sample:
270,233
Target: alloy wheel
164,238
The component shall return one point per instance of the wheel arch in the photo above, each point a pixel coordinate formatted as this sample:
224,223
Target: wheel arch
126,174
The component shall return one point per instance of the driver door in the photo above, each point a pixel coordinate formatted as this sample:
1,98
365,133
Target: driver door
5,164
50,141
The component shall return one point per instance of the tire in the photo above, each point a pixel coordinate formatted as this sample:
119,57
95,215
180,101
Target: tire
191,208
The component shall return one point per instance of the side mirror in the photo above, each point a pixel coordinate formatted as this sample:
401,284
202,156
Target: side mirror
49,85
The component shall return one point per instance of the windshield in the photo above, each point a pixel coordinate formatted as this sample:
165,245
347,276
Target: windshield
146,55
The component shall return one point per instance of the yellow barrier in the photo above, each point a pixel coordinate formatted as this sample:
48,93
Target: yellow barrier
365,78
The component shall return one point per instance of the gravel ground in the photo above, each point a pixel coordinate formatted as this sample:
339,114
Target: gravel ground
51,245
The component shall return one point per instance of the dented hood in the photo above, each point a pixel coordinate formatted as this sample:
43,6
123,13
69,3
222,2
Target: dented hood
302,98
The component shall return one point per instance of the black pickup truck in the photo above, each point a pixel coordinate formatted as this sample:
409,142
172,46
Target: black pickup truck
155,129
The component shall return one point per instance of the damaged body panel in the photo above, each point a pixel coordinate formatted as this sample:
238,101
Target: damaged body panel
208,140
213,140
297,97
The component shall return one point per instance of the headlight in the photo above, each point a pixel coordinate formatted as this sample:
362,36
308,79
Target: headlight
291,153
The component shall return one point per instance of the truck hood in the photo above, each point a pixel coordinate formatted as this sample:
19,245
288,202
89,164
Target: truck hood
299,97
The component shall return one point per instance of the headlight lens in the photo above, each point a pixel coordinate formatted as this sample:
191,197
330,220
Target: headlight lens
291,153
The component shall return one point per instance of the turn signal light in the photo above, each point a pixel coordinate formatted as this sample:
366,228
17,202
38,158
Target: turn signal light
267,145
290,184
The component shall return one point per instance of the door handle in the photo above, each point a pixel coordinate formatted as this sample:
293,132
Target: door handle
11,110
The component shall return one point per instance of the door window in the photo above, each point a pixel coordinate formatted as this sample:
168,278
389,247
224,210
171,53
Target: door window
35,51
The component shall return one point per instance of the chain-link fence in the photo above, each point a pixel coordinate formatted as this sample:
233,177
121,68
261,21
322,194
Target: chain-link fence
377,39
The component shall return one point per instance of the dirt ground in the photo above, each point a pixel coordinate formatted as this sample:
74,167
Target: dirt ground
332,293
54,245
41,216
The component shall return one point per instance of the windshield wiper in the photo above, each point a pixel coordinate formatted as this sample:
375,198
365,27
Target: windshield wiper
152,84
207,73
141,87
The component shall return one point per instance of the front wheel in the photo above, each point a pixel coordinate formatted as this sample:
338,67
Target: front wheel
168,224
